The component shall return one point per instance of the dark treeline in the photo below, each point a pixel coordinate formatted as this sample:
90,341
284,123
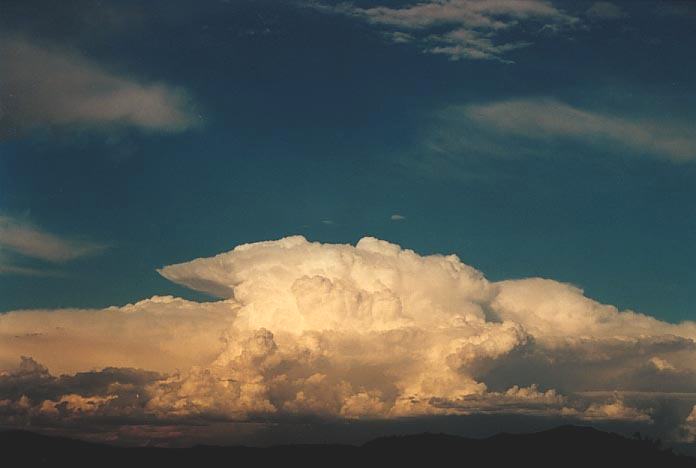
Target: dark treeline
567,446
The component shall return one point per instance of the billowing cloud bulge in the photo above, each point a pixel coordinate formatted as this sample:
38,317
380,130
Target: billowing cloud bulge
342,331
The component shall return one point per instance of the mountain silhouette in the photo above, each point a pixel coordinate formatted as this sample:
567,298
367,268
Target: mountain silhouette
566,446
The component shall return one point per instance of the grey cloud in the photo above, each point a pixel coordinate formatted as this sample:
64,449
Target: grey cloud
26,239
33,380
43,85
532,124
19,238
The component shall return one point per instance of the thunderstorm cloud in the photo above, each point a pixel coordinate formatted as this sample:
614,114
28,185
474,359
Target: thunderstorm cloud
371,331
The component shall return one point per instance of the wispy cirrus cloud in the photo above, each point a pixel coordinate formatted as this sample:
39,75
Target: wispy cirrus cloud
41,85
8,269
548,119
460,29
20,238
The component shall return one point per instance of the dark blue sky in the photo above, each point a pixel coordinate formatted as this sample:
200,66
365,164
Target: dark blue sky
567,155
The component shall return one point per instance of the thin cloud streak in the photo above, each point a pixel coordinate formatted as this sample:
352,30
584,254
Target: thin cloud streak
9,269
59,87
25,239
548,119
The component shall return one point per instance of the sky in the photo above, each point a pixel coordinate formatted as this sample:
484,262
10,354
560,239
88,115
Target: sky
547,145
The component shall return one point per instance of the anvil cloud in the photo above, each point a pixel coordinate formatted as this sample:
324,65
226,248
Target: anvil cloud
370,331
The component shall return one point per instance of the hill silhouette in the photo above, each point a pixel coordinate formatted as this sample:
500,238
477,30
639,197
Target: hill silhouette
566,446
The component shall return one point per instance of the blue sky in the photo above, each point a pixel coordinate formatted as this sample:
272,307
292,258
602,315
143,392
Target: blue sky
555,141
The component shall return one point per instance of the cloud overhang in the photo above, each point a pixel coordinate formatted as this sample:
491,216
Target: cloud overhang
342,332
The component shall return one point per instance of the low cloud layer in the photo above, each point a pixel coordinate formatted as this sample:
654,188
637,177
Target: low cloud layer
460,29
371,331
41,85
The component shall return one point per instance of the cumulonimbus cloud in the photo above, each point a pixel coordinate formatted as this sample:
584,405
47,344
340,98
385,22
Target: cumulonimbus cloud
42,85
370,331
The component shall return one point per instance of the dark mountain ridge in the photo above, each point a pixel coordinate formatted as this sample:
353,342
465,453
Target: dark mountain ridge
566,446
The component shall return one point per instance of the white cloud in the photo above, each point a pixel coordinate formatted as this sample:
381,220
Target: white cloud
28,240
520,400
341,331
549,119
471,26
614,411
160,334
20,237
399,37
51,86
397,217
661,364
75,404
491,14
